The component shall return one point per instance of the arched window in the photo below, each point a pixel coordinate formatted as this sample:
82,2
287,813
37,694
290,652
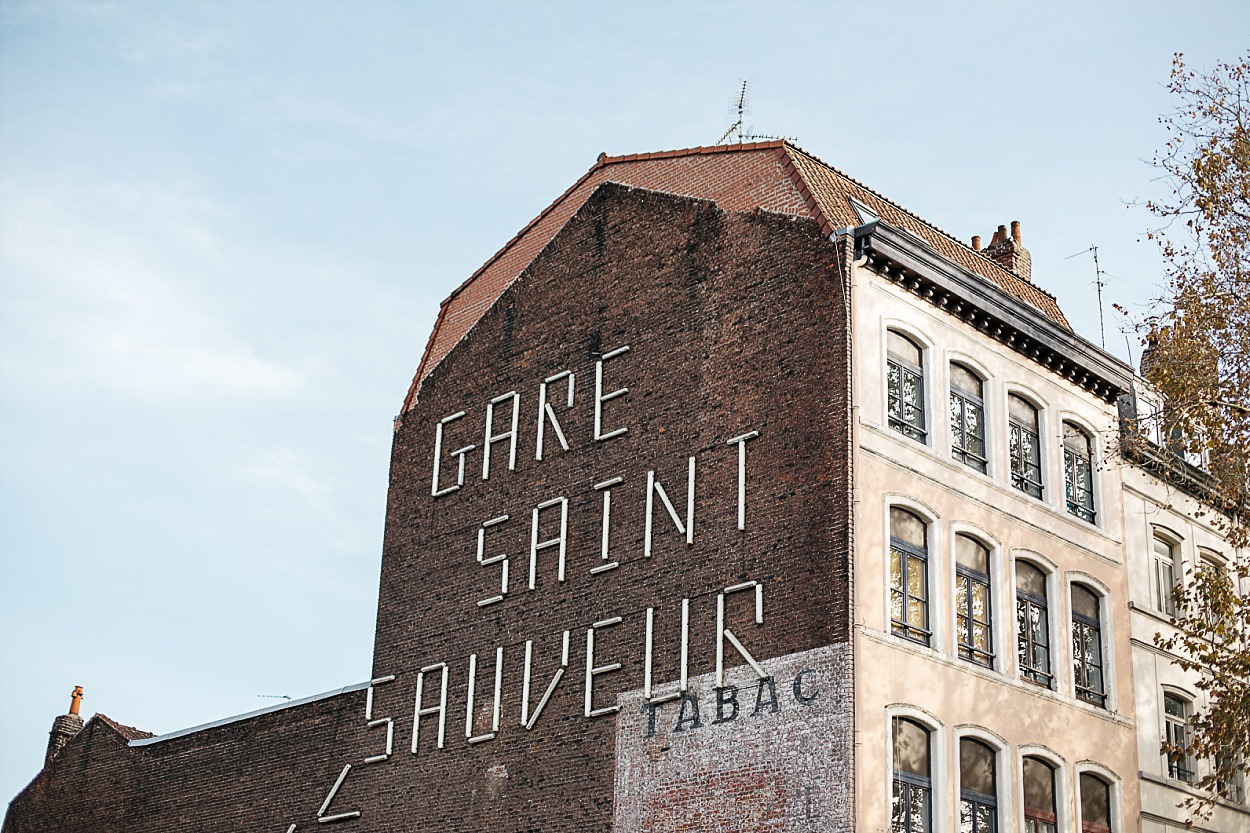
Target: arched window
1039,796
1025,446
967,418
1176,713
912,805
978,796
1087,667
973,608
1095,804
909,579
905,385
1033,624
1078,472
1164,576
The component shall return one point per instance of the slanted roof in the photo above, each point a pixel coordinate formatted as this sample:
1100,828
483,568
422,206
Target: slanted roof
772,176
128,732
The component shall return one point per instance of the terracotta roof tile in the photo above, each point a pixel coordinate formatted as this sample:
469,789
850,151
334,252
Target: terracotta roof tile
773,176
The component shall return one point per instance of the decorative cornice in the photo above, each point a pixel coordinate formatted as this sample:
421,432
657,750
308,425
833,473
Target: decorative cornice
905,260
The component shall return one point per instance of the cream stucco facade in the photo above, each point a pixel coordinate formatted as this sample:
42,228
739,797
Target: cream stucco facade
952,696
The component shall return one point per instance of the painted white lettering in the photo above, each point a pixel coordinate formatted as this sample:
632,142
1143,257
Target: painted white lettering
529,720
419,711
469,713
548,415
501,559
371,722
435,489
510,435
654,488
648,662
741,442
723,633
606,488
601,397
325,805
560,541
593,670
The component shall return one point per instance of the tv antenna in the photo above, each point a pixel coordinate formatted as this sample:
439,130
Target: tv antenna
1099,283
742,103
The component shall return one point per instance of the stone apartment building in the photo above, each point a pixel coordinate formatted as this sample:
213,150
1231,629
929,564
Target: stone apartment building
728,495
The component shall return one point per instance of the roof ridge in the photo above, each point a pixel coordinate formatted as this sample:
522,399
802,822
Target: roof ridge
699,150
128,732
794,147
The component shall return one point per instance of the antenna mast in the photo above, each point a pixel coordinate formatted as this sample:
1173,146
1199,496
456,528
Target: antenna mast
742,109
1099,283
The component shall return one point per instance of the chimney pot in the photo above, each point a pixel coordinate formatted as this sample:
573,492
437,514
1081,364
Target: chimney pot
976,242
1015,230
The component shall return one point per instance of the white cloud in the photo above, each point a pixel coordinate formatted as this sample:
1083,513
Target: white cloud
112,288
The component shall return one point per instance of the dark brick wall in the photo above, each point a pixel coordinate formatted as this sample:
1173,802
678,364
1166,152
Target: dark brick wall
735,322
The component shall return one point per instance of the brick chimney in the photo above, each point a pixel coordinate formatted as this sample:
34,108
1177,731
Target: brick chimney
1008,251
64,727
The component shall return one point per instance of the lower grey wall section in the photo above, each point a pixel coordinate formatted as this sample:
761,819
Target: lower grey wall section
768,754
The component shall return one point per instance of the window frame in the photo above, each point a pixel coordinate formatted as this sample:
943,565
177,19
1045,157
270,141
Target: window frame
1162,602
975,798
1044,678
1092,626
966,399
1085,509
917,430
1036,817
903,783
1112,789
1016,430
1176,728
965,578
910,555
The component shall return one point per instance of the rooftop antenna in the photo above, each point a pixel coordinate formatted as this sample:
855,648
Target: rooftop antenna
274,696
743,104
1099,283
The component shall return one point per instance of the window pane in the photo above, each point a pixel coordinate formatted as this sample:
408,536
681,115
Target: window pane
1039,785
1084,602
976,767
907,528
1095,801
1022,412
911,747
965,380
972,553
1030,579
902,347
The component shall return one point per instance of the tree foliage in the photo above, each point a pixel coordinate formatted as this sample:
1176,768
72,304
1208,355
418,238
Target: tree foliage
1200,364
1200,340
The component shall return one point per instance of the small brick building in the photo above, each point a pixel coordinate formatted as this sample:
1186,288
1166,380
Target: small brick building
618,587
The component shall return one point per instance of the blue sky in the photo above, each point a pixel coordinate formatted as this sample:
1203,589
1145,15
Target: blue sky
225,229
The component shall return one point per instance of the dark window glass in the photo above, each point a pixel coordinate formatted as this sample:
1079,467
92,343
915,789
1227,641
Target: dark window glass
1039,796
909,581
1087,647
1032,625
967,418
1095,804
973,611
911,808
1078,473
978,798
905,386
1025,446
